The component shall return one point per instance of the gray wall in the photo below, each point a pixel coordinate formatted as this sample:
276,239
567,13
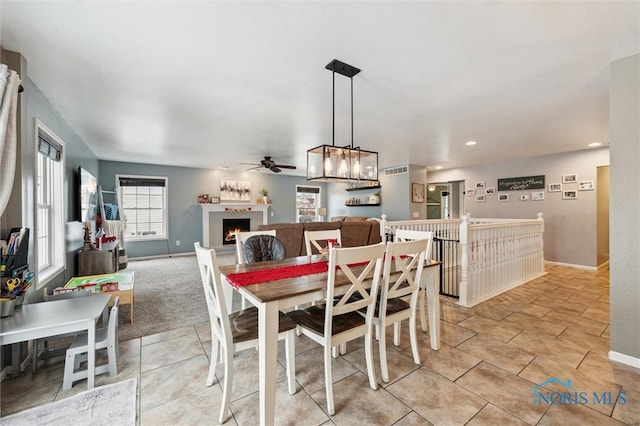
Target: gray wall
396,196
570,225
624,113
185,215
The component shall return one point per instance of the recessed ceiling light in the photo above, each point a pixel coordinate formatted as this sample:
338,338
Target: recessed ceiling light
594,144
438,167
470,143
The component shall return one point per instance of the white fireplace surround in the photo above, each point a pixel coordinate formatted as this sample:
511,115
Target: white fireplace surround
212,215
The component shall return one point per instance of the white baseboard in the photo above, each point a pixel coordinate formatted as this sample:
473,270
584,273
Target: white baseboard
571,265
163,256
624,359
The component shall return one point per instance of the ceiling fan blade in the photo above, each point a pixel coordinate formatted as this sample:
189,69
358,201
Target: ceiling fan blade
282,166
275,169
250,164
254,168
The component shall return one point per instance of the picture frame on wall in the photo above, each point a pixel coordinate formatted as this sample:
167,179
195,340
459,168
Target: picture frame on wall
235,190
480,198
490,191
471,192
585,186
215,200
479,185
537,196
417,193
570,178
570,195
554,187
503,197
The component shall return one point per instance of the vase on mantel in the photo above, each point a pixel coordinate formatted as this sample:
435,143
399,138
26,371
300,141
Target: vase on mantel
265,200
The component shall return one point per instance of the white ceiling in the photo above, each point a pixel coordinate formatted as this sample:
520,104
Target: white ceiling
211,84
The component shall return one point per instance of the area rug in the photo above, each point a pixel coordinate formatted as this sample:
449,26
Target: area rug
168,294
109,405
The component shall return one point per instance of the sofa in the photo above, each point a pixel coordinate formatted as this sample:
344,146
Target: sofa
354,230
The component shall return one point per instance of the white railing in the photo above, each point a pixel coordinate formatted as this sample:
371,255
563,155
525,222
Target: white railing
494,255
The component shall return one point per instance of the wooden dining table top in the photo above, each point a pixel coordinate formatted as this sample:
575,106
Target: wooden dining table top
282,288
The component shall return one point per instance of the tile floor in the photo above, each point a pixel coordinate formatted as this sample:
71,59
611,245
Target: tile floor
491,357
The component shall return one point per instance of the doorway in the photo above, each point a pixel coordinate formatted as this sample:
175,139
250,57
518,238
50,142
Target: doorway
444,199
602,214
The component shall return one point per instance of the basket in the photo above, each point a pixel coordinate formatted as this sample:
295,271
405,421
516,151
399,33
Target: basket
7,307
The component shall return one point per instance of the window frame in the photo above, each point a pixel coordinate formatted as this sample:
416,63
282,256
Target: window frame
165,209
56,205
316,217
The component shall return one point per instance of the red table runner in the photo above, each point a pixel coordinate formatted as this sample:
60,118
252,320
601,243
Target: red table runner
241,279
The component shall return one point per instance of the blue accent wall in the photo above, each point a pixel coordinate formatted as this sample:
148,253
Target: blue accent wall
184,186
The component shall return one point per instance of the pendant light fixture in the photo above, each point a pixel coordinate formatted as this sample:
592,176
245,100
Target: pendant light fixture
331,163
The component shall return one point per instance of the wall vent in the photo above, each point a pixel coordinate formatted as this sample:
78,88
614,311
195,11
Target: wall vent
400,170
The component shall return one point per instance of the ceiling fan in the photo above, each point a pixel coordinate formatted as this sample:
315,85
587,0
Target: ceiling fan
268,163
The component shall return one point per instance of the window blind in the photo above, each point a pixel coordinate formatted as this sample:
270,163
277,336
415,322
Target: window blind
48,147
308,189
141,181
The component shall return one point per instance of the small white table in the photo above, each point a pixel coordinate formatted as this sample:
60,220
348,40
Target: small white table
40,320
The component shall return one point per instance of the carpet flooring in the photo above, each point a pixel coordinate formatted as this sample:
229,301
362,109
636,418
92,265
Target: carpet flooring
168,294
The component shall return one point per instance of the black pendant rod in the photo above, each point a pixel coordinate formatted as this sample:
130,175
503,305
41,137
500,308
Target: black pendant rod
333,137
351,112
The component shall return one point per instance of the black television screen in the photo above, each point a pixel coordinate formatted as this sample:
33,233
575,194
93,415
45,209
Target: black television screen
88,195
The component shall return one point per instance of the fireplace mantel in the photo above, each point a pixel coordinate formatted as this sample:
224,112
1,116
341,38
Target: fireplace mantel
229,208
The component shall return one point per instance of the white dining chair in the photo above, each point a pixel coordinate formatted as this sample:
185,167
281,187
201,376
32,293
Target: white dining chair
241,257
242,237
408,258
409,235
312,239
106,338
235,332
338,321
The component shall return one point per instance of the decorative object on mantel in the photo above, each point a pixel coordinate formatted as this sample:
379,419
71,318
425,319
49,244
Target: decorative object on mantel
215,200
265,196
331,163
203,198
235,190
237,210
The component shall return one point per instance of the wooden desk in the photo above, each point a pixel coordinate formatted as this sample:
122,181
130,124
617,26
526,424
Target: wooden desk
40,320
124,279
272,296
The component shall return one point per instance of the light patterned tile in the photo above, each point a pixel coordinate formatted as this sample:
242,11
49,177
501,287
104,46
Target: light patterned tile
627,408
493,310
526,322
357,404
500,354
453,335
492,415
413,419
527,309
310,369
585,340
167,335
164,384
568,353
575,321
611,371
436,398
450,362
296,409
399,364
166,352
566,414
197,408
489,327
597,314
504,390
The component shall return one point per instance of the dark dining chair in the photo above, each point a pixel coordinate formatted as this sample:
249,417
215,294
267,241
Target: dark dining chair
261,248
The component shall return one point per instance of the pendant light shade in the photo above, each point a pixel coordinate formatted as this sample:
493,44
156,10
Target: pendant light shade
331,163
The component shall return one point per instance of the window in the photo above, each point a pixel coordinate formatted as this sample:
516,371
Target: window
307,203
144,206
51,210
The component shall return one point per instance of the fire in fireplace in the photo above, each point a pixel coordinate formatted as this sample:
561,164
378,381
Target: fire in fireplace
231,226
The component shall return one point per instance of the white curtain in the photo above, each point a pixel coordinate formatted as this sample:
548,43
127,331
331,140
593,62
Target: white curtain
9,84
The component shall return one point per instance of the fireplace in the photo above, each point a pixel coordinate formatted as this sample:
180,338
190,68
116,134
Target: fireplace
231,226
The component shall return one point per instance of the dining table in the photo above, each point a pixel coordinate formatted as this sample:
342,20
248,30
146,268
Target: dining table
278,285
46,319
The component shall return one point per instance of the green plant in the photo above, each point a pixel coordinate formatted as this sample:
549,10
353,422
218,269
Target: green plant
378,193
264,192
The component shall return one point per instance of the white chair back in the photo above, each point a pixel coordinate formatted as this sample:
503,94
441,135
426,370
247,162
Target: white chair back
242,237
342,262
409,235
311,238
214,295
408,257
